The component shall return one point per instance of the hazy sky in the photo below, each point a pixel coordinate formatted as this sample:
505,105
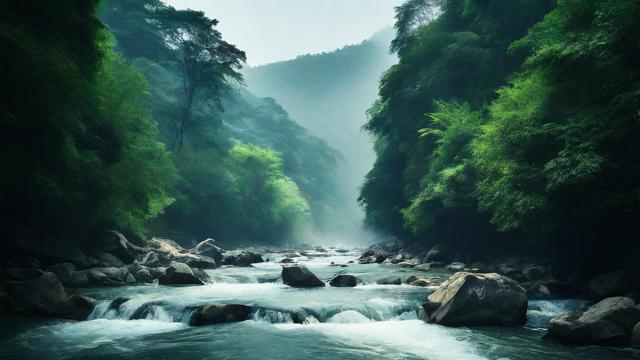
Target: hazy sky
273,30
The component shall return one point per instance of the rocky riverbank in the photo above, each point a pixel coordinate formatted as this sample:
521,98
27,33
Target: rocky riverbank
456,294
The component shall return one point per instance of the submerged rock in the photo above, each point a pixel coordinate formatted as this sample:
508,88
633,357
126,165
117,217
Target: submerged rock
609,322
344,280
218,314
477,299
179,274
300,276
391,280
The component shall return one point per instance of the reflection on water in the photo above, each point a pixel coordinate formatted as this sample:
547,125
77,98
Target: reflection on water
365,322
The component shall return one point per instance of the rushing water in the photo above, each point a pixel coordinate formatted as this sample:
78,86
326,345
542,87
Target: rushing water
369,321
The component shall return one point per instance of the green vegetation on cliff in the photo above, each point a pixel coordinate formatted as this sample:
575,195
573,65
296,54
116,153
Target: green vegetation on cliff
499,126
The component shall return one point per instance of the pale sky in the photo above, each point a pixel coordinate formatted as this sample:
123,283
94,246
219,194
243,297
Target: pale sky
274,30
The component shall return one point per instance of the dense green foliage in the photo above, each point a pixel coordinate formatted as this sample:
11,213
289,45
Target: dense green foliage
84,128
227,190
79,148
531,128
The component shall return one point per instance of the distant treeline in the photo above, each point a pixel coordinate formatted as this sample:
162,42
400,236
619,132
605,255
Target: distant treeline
141,125
508,124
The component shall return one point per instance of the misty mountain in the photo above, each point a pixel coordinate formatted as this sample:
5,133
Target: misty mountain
329,94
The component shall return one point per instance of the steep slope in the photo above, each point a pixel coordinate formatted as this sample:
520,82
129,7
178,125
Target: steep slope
329,94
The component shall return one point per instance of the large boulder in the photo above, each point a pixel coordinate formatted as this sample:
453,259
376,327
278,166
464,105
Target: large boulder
208,248
45,296
617,283
300,276
635,335
477,299
343,280
108,260
140,273
179,274
69,276
242,258
152,259
117,245
196,261
609,322
218,314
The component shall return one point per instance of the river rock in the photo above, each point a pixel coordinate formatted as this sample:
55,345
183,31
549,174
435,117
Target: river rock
391,280
617,283
300,276
241,258
409,263
69,276
196,261
108,260
477,299
208,248
218,314
344,280
609,322
45,296
179,274
635,335
152,259
117,245
422,267
419,281
456,267
140,273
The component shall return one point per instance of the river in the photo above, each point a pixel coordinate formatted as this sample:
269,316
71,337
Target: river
369,321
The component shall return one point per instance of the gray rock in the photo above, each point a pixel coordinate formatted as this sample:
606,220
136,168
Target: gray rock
617,283
140,273
218,314
609,322
409,263
391,280
208,248
241,258
300,276
69,276
635,335
456,267
45,296
196,261
151,259
179,274
108,260
477,299
419,281
344,280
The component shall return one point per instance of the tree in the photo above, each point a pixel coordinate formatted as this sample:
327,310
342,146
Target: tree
204,61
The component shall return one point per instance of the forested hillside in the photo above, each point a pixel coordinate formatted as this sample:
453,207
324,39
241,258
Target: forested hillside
266,192
328,94
142,125
508,124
